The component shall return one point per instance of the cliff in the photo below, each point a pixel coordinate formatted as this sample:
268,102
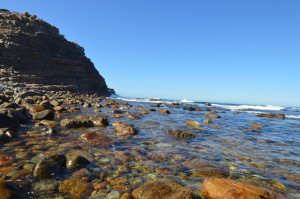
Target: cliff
33,52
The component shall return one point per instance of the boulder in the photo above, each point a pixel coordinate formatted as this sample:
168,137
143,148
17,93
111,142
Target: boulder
219,188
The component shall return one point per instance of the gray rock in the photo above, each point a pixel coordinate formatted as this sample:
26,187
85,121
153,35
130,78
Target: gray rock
48,166
44,115
76,162
47,185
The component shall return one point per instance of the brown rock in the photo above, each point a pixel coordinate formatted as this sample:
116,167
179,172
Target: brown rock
96,139
212,115
5,192
77,188
193,124
256,126
164,111
207,121
272,115
125,129
100,121
220,188
180,134
160,190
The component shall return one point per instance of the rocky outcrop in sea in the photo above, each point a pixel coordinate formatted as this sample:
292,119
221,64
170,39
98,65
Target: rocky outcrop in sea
33,53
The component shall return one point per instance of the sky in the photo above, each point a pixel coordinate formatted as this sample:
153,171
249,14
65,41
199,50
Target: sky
229,51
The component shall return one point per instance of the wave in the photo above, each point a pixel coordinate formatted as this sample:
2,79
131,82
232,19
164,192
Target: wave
186,101
293,116
144,100
254,107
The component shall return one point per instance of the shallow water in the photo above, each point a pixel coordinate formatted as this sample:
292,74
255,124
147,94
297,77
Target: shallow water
269,159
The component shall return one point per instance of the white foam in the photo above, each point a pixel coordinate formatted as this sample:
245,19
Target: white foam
293,116
144,100
254,107
186,101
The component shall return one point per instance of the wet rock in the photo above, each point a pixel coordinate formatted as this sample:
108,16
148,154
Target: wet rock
113,195
272,115
125,129
180,134
207,104
5,191
256,126
219,188
126,196
197,163
207,121
77,188
76,162
42,186
6,159
7,134
8,120
44,115
77,122
252,130
212,115
59,108
36,108
100,121
162,190
54,103
48,166
164,111
116,111
96,139
10,105
193,124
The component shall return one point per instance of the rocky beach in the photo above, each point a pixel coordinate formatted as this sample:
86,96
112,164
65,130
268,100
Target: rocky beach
62,134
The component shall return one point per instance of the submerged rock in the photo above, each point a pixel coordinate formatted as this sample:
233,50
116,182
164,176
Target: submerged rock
42,186
48,166
160,190
96,139
164,111
5,191
180,134
193,124
219,188
125,129
212,115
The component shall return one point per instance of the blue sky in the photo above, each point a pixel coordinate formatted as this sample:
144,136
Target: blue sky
223,51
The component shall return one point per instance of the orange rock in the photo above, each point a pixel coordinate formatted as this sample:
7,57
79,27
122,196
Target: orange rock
220,188
256,126
6,159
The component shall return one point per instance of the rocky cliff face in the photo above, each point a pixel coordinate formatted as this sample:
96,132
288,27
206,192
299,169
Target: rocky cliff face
34,52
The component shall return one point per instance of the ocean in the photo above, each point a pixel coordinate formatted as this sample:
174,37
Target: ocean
269,158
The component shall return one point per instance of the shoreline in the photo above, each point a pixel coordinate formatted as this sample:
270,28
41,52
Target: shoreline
121,149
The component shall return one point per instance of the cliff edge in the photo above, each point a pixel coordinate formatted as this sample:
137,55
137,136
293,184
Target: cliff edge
33,52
